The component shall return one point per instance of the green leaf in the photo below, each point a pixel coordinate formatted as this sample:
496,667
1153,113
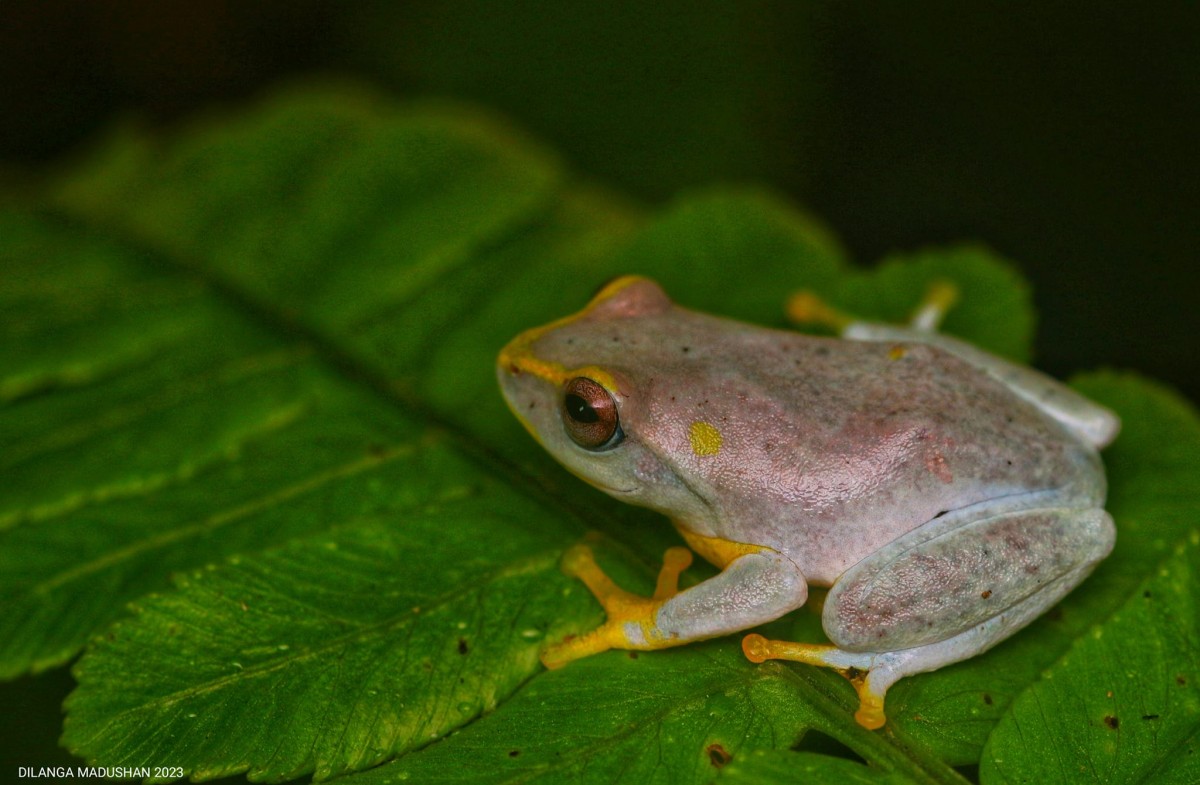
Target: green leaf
149,429
645,714
622,717
257,354
333,653
1123,705
782,767
321,192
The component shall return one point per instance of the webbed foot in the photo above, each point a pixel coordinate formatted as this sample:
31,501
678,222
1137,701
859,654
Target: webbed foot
630,623
854,666
807,307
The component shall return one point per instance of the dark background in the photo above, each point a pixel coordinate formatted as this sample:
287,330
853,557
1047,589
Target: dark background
1063,135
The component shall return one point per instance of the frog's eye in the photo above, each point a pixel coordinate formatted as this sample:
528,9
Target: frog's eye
590,415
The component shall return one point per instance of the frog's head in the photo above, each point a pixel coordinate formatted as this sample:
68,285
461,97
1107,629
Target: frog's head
581,386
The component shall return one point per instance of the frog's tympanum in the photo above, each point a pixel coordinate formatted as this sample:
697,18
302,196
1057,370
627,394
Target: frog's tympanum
947,497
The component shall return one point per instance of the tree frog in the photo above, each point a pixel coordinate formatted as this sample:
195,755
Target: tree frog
945,496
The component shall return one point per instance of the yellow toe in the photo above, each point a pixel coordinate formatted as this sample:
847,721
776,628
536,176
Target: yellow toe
626,611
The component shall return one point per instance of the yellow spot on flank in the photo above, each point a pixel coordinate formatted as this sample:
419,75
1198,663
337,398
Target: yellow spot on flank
705,438
896,352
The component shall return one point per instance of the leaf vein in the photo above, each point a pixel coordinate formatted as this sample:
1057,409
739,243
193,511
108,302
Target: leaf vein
221,519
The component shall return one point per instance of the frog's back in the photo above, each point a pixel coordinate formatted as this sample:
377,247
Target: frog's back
831,448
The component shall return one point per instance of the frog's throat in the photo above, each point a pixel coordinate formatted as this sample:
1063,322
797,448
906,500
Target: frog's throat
518,357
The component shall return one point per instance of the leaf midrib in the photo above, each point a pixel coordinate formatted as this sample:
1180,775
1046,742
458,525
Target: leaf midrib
346,363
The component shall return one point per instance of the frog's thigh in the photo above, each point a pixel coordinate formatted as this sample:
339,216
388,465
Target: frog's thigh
752,589
981,572
888,668
1089,421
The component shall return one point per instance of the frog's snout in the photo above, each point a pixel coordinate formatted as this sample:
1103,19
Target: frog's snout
524,391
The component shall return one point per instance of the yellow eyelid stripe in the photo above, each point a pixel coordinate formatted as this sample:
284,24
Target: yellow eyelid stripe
613,287
518,354
558,374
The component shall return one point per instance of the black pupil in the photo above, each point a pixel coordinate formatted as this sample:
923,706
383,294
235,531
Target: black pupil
580,410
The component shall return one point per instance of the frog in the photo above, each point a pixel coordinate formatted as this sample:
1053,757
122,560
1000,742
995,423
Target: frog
944,497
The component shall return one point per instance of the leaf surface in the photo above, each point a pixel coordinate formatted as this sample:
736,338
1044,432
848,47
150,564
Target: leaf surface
257,354
1123,705
334,652
784,767
650,720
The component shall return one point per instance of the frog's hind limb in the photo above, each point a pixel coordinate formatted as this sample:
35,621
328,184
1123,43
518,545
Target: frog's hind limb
855,666
752,589
873,674
946,592
807,307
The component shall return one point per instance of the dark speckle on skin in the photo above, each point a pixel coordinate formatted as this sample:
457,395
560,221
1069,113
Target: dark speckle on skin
1112,721
718,755
987,699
